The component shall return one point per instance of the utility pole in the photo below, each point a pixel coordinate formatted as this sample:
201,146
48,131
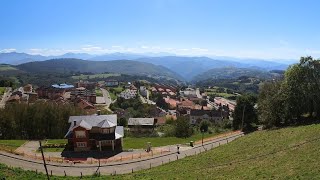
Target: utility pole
44,161
243,117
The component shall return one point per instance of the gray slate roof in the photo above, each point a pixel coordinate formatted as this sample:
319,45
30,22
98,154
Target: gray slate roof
141,121
87,122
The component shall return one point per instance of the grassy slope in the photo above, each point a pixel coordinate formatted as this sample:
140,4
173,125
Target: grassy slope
140,143
10,144
4,67
137,143
260,155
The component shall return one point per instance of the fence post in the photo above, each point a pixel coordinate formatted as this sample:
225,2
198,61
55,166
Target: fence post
65,174
177,157
51,172
132,170
140,156
169,159
150,165
81,175
132,156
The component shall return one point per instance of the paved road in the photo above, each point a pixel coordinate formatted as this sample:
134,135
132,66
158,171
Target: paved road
111,168
106,96
5,97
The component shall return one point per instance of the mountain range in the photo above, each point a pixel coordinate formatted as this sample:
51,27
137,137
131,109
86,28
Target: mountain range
182,67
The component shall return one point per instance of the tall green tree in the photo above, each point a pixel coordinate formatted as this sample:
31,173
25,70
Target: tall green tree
183,127
271,105
245,116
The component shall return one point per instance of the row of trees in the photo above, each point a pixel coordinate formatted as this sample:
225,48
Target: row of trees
296,99
291,101
36,121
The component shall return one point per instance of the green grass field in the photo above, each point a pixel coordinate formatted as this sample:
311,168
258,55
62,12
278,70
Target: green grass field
85,77
115,91
98,92
2,89
4,67
139,143
288,153
10,145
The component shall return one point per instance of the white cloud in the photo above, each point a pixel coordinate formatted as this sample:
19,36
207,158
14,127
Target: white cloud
8,50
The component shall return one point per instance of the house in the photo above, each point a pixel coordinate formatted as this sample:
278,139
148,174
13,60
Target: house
128,94
186,104
189,92
32,97
86,84
111,83
14,99
196,116
27,88
83,93
141,124
85,105
144,92
95,132
50,92
171,102
222,101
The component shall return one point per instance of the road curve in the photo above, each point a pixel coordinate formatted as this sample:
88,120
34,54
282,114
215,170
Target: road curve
110,168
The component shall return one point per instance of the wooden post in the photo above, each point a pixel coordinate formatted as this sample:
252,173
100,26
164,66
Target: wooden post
81,175
44,161
65,174
51,173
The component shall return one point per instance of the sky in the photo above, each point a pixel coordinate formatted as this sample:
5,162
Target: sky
268,29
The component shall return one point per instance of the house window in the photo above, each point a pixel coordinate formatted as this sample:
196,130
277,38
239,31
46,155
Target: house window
107,130
106,142
80,134
81,144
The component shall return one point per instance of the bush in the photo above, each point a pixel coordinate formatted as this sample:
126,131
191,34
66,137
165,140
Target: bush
183,128
204,125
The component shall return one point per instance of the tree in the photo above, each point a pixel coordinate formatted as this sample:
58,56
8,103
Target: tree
245,115
122,122
204,125
161,103
271,107
203,102
183,128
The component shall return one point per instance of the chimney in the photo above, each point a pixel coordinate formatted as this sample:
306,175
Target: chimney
98,112
74,123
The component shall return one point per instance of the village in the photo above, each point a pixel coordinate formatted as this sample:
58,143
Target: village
106,120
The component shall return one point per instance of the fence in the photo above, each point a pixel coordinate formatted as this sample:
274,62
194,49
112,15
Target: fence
127,167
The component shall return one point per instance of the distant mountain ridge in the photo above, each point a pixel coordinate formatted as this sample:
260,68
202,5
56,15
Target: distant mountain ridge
186,67
232,73
119,66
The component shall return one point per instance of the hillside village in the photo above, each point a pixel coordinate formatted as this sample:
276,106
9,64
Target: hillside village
168,102
159,89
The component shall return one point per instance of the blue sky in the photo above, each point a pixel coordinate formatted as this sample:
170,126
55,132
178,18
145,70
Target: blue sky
240,28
